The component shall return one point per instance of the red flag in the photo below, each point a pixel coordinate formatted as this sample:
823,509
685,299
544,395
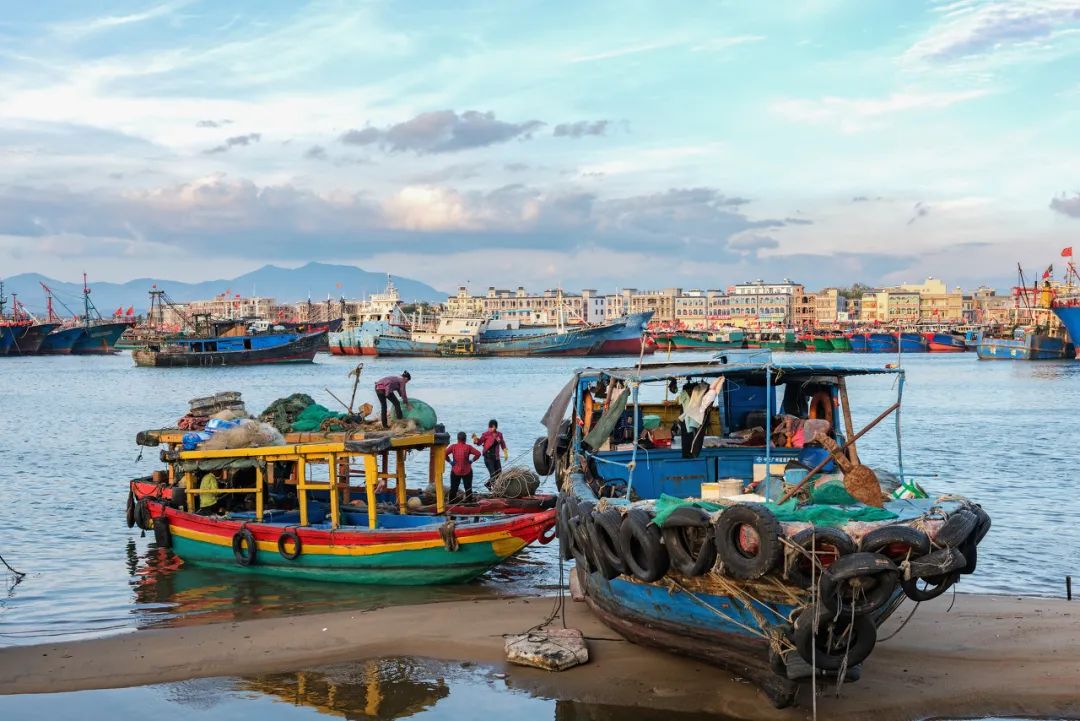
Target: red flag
119,311
1047,272
1066,252
130,310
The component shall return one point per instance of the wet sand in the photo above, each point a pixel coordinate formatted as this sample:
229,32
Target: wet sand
988,655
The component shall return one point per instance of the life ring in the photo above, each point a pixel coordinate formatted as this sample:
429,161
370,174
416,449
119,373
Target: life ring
748,541
830,644
604,535
162,534
821,406
827,546
289,536
129,510
691,548
243,547
859,584
644,554
547,535
896,542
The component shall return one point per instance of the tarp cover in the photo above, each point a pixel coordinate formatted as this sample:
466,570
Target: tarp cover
820,514
218,464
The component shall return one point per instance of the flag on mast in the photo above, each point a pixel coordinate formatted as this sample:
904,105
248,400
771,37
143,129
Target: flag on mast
1066,252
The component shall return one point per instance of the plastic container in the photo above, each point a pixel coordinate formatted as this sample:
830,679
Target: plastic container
649,421
192,440
217,424
722,489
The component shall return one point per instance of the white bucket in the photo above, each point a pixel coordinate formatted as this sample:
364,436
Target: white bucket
721,490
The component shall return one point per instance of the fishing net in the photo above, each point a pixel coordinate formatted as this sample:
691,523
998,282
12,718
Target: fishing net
313,417
251,434
820,514
283,412
514,482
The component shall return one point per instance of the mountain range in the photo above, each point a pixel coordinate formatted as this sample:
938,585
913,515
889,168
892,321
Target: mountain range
287,285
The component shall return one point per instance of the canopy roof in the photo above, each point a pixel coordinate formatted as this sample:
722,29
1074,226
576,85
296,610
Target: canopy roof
715,368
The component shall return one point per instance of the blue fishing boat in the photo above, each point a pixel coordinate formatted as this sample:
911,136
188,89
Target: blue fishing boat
859,342
912,343
1027,344
881,343
951,342
263,348
61,341
1068,312
756,541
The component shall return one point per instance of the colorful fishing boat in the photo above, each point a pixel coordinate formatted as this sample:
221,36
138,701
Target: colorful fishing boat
1025,344
881,343
945,342
820,344
765,548
860,342
61,341
911,342
331,508
1067,311
841,344
785,341
700,339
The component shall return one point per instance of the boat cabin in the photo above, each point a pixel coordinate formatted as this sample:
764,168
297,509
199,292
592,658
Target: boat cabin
669,428
333,481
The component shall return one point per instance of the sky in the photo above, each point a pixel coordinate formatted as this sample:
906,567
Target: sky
545,144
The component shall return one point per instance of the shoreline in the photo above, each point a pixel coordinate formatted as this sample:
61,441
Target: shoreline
989,655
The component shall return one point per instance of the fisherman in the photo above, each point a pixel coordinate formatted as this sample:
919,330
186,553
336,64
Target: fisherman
387,389
492,441
208,500
461,455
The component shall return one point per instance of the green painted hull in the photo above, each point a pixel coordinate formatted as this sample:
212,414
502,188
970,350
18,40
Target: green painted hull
823,345
420,567
841,344
790,346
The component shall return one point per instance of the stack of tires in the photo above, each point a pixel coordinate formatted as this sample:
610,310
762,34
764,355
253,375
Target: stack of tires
849,583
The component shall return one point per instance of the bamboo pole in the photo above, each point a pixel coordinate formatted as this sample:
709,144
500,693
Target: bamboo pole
849,427
817,469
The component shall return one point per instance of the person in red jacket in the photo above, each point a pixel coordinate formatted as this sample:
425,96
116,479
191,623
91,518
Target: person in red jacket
492,442
461,456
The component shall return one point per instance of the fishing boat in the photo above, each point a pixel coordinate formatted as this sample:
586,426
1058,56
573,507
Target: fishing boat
700,339
1066,304
911,342
1036,332
259,349
332,507
945,342
841,343
771,553
786,340
860,342
380,316
882,343
819,344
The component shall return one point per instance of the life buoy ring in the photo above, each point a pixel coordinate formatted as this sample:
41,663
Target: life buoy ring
826,544
747,539
821,406
830,644
290,536
604,535
243,547
859,584
642,551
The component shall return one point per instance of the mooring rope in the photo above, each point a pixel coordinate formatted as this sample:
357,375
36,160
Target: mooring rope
19,575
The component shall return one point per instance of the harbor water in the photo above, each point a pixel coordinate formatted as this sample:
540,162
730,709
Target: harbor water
1000,433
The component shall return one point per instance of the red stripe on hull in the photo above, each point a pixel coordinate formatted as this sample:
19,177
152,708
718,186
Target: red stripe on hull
944,348
351,350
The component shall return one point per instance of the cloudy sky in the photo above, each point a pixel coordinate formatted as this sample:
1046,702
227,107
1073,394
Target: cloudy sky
598,144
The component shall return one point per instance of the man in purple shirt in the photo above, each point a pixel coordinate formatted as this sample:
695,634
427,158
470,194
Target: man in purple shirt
387,389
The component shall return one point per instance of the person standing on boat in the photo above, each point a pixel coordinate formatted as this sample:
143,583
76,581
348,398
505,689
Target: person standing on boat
388,388
492,442
461,455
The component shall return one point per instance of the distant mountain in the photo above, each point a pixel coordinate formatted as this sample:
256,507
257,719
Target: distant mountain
287,285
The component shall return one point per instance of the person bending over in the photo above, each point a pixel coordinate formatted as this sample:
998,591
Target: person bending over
388,388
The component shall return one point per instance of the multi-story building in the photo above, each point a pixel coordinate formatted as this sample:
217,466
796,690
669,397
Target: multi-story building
700,309
766,304
937,304
828,307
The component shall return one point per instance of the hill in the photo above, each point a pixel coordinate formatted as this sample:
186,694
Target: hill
287,285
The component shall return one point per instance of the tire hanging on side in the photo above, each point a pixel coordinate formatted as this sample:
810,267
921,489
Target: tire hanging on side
748,541
244,539
644,554
826,544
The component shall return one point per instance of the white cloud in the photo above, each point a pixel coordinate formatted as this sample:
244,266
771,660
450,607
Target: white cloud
853,114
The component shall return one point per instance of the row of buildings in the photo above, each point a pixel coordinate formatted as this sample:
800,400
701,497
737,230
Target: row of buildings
757,303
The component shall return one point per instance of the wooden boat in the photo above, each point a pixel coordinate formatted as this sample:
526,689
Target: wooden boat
665,567
300,517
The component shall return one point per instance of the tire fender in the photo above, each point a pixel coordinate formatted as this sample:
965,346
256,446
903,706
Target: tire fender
745,521
831,639
644,554
605,537
244,547
828,544
690,542
289,536
860,583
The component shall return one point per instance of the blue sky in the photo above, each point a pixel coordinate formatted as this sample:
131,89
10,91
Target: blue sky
541,143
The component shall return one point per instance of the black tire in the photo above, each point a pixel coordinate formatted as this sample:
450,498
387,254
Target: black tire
178,497
982,525
934,586
162,535
604,534
298,546
896,542
956,529
692,549
828,546
686,516
143,517
737,559
562,524
542,462
860,583
832,640
598,559
244,548
933,574
582,554
129,510
644,554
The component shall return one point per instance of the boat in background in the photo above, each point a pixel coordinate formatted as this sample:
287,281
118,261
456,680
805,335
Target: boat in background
945,342
776,340
882,343
723,339
841,343
1036,332
859,342
381,315
1066,306
910,342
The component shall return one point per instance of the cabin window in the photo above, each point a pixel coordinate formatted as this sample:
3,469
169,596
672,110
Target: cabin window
196,347
247,344
211,347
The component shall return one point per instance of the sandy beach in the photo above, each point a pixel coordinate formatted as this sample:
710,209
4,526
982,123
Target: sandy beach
988,655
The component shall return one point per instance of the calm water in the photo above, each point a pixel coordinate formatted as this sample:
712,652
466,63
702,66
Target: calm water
1002,433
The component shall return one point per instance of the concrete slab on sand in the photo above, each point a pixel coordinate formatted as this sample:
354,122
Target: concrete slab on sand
989,655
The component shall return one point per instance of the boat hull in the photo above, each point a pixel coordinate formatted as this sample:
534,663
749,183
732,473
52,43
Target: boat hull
301,350
399,557
945,343
841,344
881,343
8,335
99,339
31,340
1069,315
1033,347
912,343
860,342
821,345
60,342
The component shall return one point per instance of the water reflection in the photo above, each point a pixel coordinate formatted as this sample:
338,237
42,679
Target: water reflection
169,592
